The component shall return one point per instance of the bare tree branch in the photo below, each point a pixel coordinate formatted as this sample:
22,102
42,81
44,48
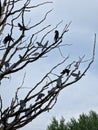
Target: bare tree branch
25,48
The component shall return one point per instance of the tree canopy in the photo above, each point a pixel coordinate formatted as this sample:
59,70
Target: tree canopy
84,122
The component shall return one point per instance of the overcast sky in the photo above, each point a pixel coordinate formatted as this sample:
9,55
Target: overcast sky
82,96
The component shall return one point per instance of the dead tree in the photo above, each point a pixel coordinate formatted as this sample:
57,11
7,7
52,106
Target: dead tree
29,50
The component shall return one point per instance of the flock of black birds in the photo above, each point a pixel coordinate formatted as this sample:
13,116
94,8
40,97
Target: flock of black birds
9,38
59,82
40,96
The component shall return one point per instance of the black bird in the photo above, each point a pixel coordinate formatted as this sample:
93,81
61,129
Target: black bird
39,44
7,65
8,38
56,36
20,56
45,46
6,111
28,112
22,104
76,75
76,64
59,81
40,96
22,27
65,71
52,90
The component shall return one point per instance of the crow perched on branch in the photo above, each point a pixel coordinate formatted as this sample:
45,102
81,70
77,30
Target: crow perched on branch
8,38
45,45
52,90
65,71
76,75
22,27
56,36
59,81
40,96
22,104
7,65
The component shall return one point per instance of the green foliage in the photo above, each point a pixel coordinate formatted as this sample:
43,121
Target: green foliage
55,125
85,122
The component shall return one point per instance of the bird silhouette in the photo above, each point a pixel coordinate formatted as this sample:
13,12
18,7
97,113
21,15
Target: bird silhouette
65,71
76,65
52,90
8,38
6,111
22,27
39,44
22,104
40,96
20,56
76,75
56,37
45,46
59,81
7,65
28,112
